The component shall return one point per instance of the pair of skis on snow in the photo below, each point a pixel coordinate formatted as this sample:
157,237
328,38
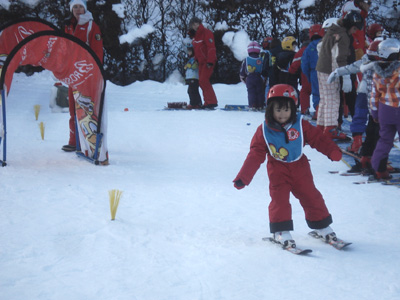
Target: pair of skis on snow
338,244
394,181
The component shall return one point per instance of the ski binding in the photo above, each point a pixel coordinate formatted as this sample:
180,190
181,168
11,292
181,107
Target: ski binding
337,243
394,180
291,249
346,173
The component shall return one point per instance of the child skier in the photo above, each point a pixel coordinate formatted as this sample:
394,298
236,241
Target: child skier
192,79
284,59
250,73
384,103
267,64
282,137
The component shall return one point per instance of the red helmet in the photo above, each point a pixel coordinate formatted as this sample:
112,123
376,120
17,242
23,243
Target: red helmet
283,90
267,42
316,29
372,50
373,29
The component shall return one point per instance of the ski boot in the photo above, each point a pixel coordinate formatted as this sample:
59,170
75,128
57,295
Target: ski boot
335,133
384,175
285,239
356,144
326,234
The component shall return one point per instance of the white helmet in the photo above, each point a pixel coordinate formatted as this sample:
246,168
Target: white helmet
329,22
389,49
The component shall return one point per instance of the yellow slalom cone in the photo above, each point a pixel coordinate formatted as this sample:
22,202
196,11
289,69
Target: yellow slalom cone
115,195
37,110
41,126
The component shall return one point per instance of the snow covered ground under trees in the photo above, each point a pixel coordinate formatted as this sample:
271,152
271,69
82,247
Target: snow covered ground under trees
182,231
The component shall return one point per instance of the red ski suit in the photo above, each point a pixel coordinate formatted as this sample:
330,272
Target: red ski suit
305,92
91,35
205,53
295,177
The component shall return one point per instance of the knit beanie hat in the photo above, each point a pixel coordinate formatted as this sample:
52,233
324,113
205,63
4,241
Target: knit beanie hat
81,2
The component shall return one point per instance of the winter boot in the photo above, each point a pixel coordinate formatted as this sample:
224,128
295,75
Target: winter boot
366,162
285,239
69,148
326,234
392,169
357,168
383,175
366,168
335,133
356,144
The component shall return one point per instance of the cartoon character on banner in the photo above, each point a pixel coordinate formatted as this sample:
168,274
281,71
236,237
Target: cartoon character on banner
86,118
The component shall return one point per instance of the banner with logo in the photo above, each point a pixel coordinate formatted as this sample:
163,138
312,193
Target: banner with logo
76,65
12,33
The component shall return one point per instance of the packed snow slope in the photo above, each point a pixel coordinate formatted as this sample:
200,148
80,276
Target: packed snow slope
182,231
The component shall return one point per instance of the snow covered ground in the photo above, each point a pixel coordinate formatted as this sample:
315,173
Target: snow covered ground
182,231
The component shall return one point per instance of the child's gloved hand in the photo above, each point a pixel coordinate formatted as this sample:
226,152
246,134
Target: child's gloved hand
333,76
335,155
347,85
239,184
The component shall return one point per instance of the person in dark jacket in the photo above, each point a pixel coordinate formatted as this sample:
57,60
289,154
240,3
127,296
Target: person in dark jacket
192,79
275,49
334,52
285,58
267,64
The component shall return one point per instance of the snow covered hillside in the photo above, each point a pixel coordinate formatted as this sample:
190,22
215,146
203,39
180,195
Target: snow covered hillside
182,232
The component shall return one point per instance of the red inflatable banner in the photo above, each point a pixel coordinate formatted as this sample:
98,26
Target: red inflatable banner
76,65
13,33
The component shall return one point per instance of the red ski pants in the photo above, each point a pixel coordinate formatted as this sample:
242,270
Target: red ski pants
205,85
305,93
72,127
295,178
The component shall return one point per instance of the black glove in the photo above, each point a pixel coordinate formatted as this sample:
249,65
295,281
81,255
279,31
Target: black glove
191,33
239,184
210,65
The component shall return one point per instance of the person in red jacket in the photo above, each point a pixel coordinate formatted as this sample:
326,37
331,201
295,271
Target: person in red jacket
206,55
281,138
82,26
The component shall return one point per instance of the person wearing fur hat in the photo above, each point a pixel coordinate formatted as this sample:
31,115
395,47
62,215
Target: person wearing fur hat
250,74
81,26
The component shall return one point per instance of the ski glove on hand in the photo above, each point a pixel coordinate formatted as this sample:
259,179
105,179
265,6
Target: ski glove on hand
347,86
332,77
335,155
239,184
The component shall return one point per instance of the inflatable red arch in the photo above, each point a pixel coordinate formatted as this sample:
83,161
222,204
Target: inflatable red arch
72,62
